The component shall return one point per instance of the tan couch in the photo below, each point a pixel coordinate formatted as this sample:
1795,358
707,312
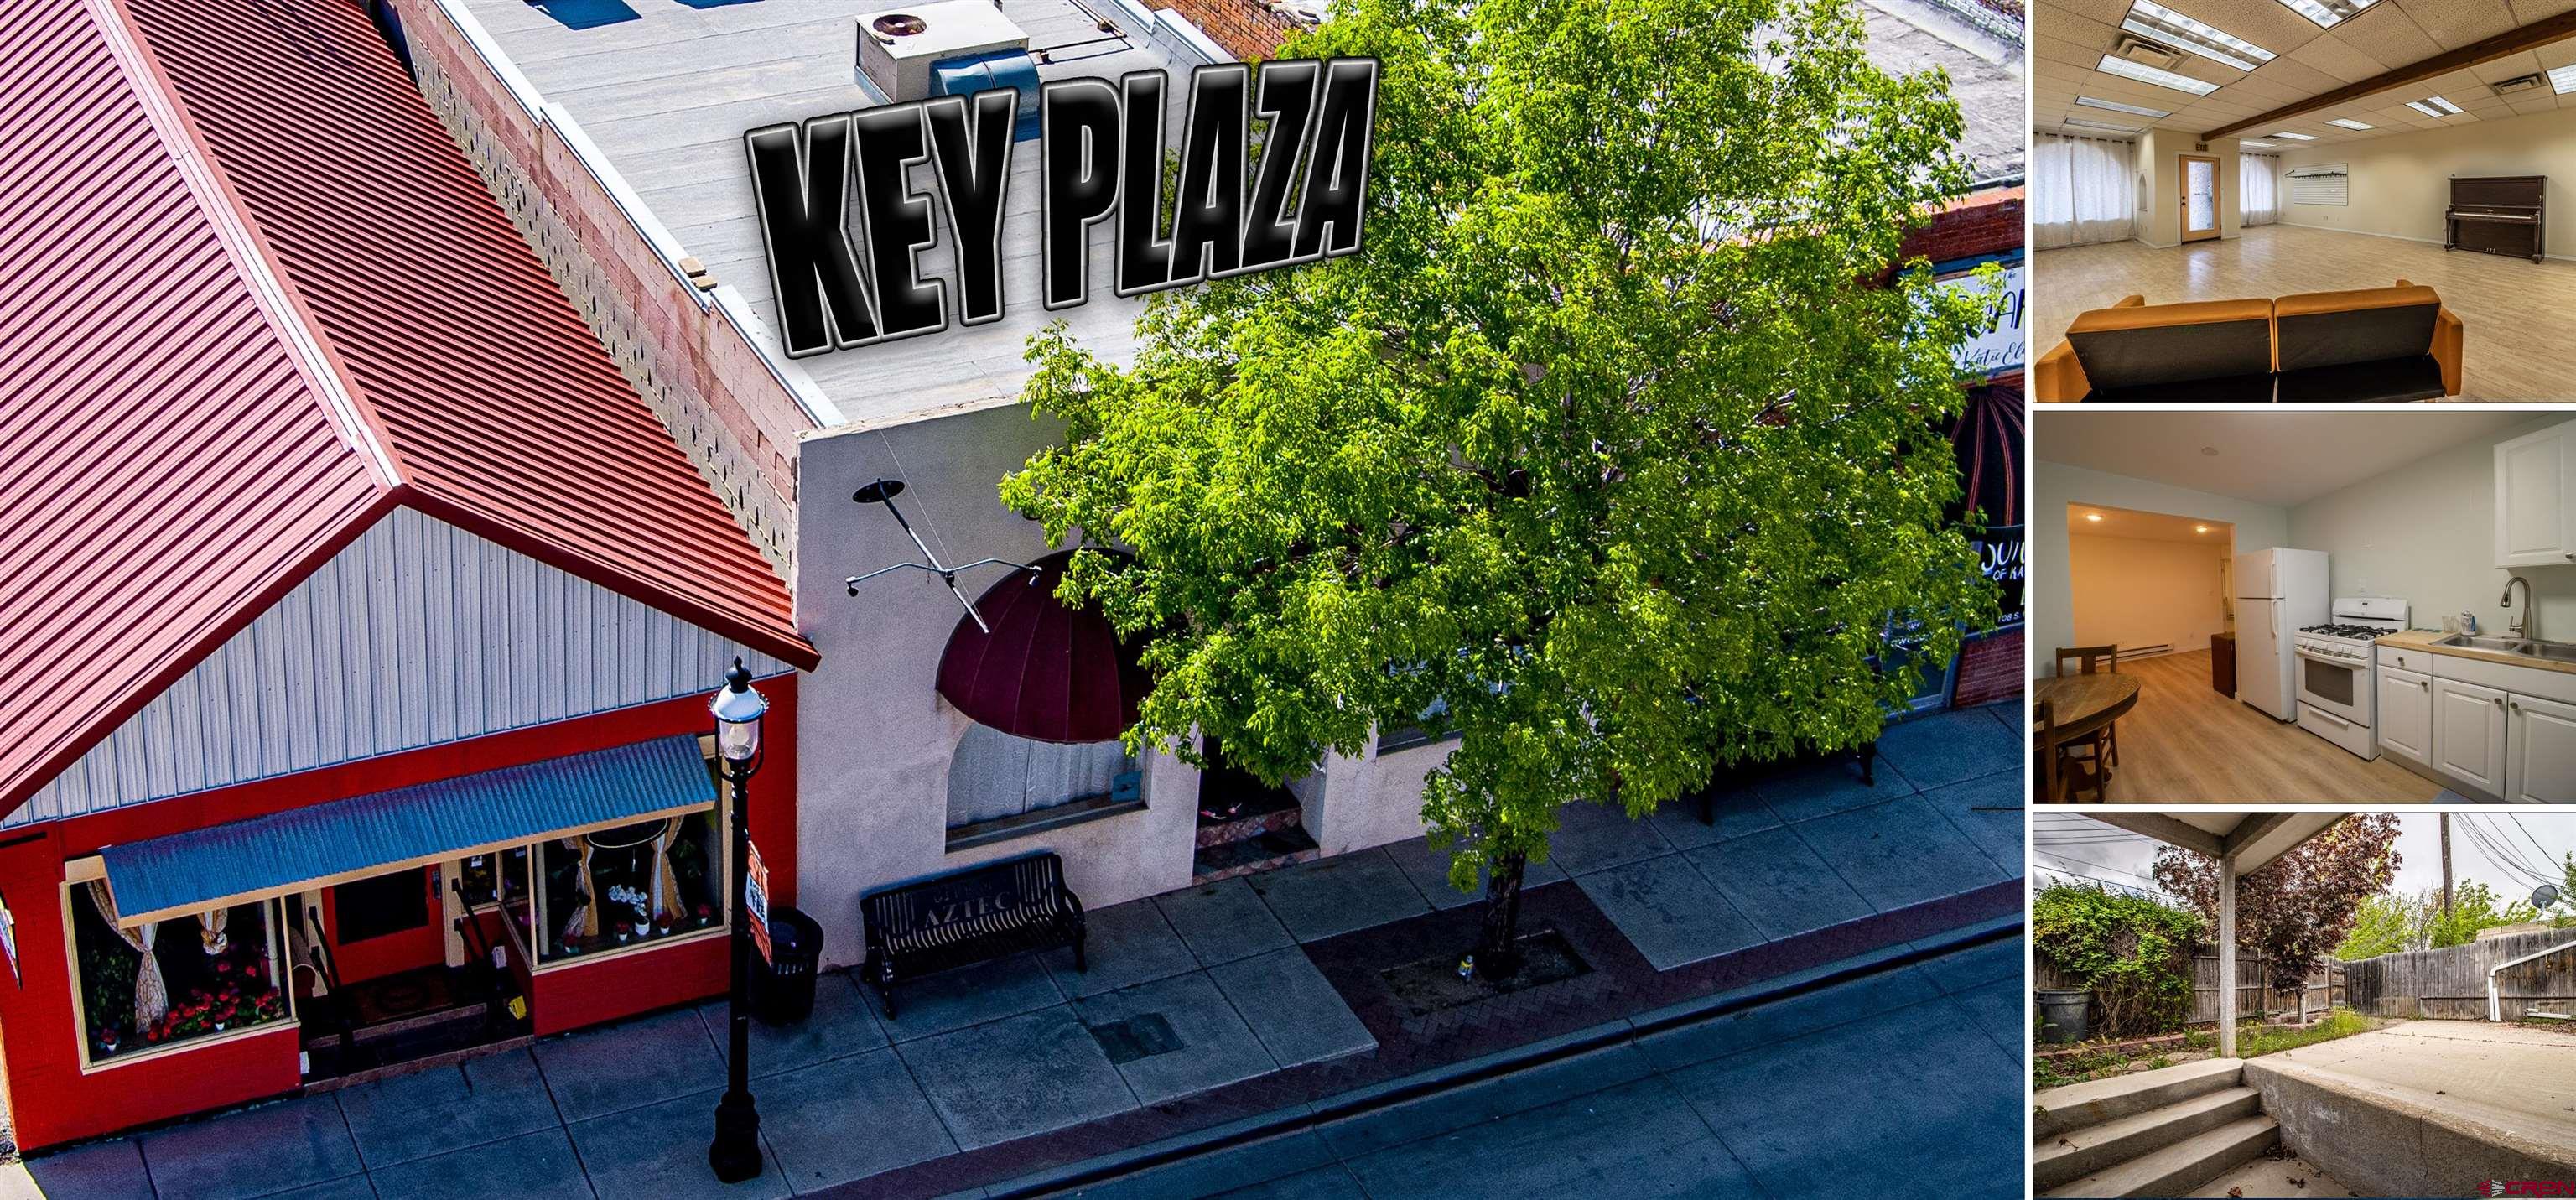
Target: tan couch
2393,343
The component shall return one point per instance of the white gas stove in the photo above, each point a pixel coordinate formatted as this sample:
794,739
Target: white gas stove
2337,694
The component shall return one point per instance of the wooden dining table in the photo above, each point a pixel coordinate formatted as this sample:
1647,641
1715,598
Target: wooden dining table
2080,704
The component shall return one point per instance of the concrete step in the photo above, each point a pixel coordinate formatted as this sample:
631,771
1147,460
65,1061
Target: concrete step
2077,1105
2077,1153
1267,852
2182,1166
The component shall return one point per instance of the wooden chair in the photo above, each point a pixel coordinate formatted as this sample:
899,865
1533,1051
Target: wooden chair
2103,743
2061,778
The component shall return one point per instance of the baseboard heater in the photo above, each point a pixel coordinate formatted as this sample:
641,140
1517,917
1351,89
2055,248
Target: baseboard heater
2130,652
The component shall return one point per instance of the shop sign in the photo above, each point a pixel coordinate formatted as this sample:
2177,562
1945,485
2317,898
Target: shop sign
755,901
1999,349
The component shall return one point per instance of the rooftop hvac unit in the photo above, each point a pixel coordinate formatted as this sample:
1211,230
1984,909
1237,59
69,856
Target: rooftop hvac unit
2146,53
898,49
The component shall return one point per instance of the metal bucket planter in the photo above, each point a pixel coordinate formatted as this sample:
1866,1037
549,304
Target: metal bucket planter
2063,1015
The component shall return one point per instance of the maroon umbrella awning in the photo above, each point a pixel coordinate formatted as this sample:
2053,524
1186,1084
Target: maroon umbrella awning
1986,442
1047,672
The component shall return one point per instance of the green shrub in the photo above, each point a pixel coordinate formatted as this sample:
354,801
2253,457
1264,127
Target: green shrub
2134,953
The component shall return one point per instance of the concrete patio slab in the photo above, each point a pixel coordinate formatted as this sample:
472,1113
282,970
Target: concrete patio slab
1301,1019
1333,896
842,1024
252,1151
1779,884
1899,853
541,1166
616,1067
1562,1149
1429,871
953,1000
1223,921
1669,911
1594,837
1125,945
1823,786
111,1170
430,1112
1017,1076
1950,747
848,1119
660,1150
1214,1045
2516,1078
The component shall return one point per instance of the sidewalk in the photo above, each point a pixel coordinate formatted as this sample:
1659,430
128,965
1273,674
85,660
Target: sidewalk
1200,1007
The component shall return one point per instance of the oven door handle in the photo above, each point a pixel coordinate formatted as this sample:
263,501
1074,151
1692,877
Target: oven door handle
2330,716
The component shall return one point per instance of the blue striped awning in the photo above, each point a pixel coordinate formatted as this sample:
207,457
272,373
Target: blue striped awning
187,872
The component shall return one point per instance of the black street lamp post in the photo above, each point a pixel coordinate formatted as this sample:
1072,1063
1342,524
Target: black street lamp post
735,1154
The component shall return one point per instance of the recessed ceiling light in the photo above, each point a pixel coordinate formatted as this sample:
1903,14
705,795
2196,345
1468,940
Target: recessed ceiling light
2081,123
2296,137
2200,529
2563,79
2092,516
2116,106
2434,106
2157,76
2154,20
2349,123
2327,12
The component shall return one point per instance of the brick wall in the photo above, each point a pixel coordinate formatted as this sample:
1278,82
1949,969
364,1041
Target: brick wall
1247,29
1990,669
692,364
1986,222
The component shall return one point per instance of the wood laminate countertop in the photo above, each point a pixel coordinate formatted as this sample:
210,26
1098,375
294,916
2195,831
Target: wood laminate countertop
2423,639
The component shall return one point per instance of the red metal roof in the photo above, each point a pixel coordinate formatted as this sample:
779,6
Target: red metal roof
263,299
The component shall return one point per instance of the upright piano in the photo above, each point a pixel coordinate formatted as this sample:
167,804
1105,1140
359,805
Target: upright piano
2497,214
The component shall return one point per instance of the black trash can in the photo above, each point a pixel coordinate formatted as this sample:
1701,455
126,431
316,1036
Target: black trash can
783,989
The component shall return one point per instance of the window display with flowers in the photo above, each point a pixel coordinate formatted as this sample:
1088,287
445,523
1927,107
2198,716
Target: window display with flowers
613,888
169,982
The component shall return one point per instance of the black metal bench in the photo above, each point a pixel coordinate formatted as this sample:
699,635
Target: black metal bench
966,917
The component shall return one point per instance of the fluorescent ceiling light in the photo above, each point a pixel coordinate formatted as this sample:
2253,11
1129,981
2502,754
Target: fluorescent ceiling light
2434,106
2349,123
2150,19
2563,79
2327,12
2080,122
2116,106
2256,146
2296,137
2161,78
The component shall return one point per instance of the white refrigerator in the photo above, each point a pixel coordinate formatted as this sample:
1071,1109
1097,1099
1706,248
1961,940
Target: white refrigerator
2278,592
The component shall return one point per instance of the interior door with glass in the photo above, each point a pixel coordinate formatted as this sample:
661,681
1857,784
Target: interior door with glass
2199,198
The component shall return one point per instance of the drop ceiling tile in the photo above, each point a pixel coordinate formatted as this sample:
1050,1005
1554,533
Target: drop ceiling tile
2384,32
2456,23
2298,77
2336,57
2275,27
2556,54
2105,12
2528,11
2508,67
2528,105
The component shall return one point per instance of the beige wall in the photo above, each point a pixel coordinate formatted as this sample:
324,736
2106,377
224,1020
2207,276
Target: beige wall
2400,184
2137,592
2052,588
2160,154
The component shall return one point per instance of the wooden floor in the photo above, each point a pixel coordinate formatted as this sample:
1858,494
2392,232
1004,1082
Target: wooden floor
2186,743
2520,315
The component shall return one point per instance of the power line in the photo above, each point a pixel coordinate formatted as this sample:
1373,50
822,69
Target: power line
2103,867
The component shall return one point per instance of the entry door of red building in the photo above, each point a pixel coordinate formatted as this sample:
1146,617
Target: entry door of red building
385,925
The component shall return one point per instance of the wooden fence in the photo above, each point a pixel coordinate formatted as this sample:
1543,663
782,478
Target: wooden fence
2452,982
2325,987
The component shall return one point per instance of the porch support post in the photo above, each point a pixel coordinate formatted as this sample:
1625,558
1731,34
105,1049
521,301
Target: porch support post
2227,956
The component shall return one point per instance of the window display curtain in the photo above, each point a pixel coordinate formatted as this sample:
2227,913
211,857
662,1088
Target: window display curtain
2259,187
151,996
2082,190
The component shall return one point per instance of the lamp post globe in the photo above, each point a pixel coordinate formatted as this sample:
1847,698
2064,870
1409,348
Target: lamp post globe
735,1153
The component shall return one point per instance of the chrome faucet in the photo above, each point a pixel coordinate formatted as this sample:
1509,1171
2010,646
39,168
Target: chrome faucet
2522,626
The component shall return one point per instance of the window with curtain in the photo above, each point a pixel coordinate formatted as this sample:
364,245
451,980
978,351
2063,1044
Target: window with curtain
168,982
2082,190
995,776
2258,187
612,888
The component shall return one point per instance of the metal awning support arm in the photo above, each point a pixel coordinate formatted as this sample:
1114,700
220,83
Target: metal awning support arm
884,494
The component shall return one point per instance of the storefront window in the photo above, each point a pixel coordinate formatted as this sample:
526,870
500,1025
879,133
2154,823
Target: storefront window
507,869
995,776
621,887
174,981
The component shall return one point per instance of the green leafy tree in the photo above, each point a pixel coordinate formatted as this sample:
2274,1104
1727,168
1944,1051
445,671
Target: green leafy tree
2131,952
2388,922
2474,907
1612,452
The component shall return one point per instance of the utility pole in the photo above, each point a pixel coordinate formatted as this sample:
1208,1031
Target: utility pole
2446,865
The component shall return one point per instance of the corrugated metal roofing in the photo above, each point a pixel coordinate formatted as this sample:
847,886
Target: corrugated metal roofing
259,322
183,872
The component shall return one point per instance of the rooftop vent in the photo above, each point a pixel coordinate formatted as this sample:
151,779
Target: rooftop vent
2146,53
896,49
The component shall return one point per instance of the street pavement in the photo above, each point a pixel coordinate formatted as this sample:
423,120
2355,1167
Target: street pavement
1246,997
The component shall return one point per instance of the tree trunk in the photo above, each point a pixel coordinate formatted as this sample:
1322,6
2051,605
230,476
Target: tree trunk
1498,952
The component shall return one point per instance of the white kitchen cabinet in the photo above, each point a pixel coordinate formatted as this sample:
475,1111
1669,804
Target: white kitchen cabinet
2468,734
2535,499
2406,715
2540,751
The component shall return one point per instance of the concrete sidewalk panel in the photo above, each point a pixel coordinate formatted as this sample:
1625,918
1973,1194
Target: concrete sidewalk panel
1293,1009
1223,921
1821,787
1989,812
660,1150
1333,896
1779,884
1429,871
1595,837
1899,853
464,1104
1669,911
842,1024
1015,1077
1214,1046
109,1170
953,1000
615,1067
847,1119
252,1151
538,1166
1950,747
1127,944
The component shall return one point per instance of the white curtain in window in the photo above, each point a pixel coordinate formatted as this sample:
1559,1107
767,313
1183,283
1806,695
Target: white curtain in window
2081,190
995,775
2259,187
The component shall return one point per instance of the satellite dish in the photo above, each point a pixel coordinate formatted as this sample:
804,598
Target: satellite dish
2544,895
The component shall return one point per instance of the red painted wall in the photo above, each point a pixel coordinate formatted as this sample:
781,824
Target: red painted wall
53,1102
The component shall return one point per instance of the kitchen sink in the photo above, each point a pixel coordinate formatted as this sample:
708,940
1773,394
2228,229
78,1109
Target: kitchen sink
2525,647
2553,651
